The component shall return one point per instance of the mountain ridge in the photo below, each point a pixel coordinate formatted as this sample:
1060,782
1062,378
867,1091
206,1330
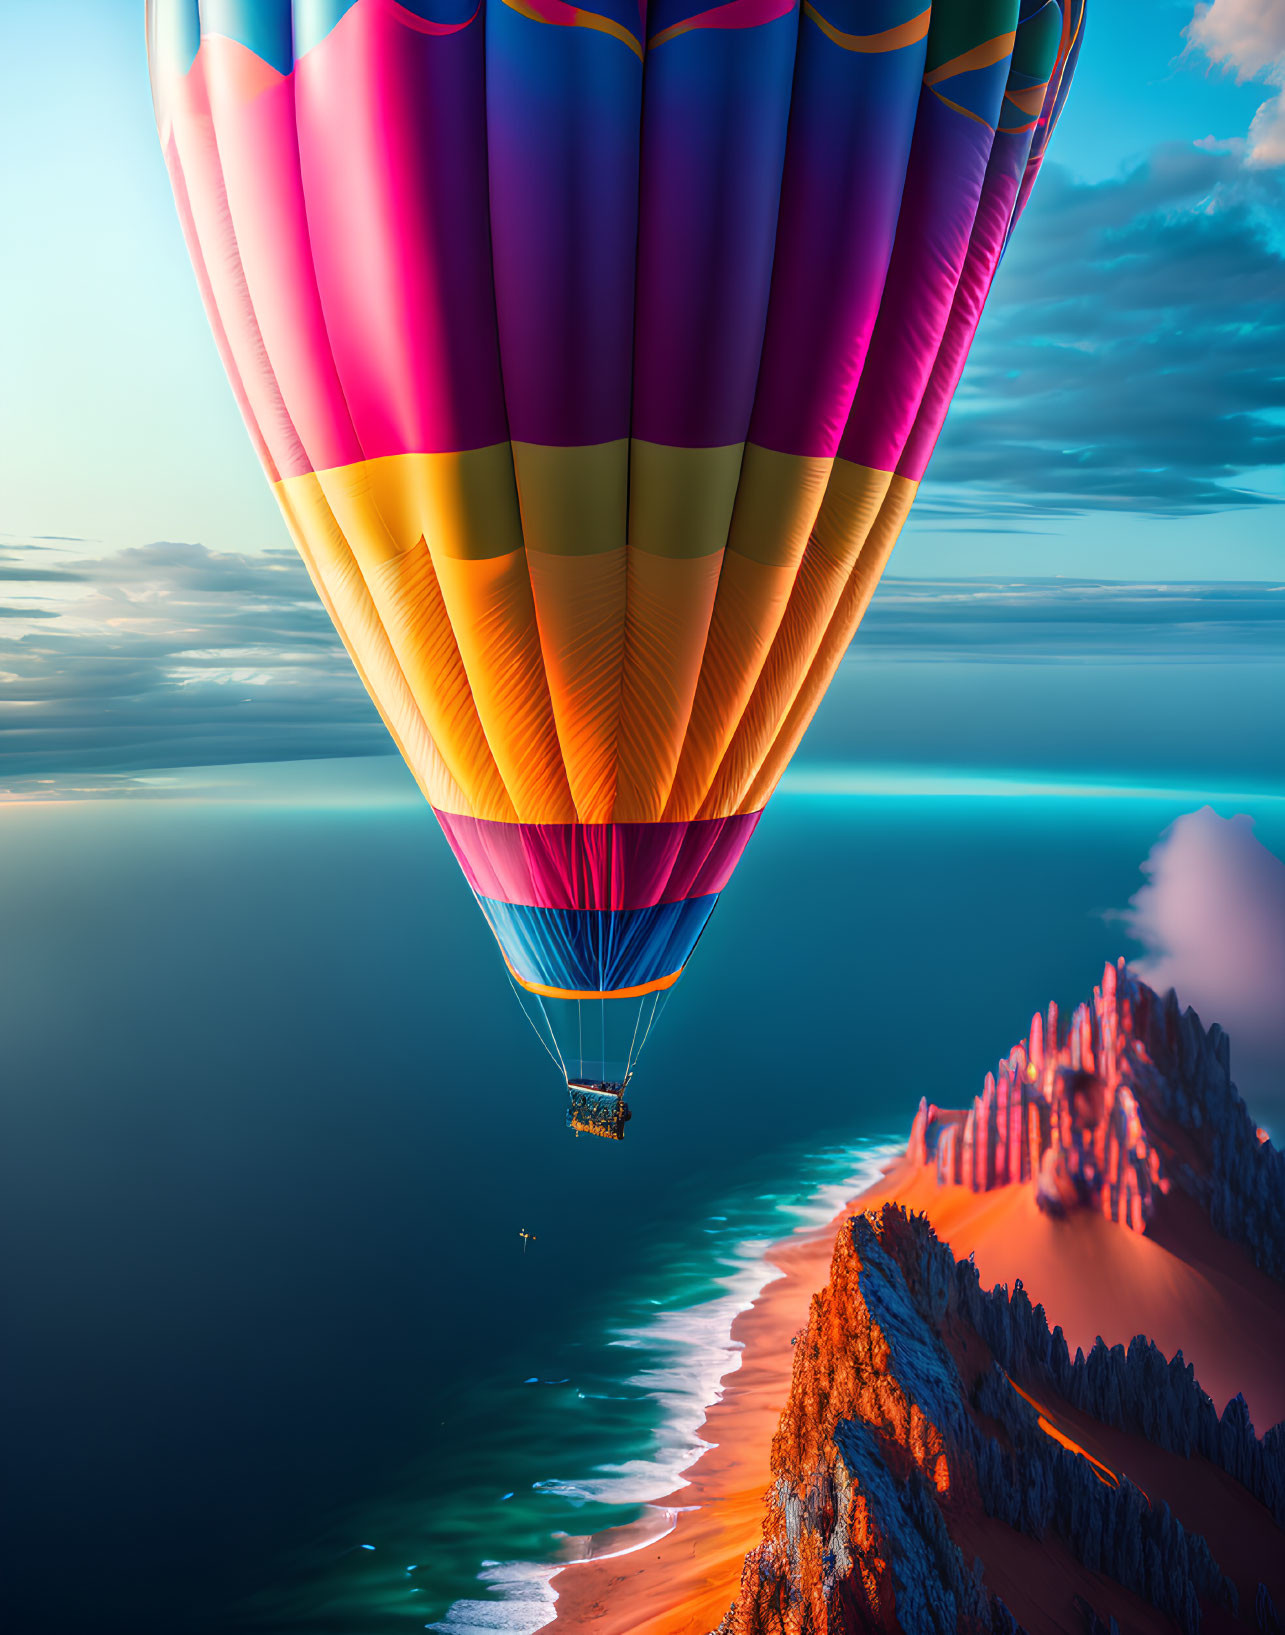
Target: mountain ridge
945,1461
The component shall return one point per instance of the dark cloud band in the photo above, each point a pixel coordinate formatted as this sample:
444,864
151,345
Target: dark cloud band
1133,355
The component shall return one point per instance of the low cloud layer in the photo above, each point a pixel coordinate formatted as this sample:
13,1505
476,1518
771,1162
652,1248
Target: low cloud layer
1132,358
1052,619
170,655
1212,917
173,655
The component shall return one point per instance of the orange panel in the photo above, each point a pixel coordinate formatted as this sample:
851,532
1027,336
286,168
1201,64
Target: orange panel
346,599
751,600
580,610
407,603
850,507
843,627
670,600
574,509
776,507
460,504
493,615
777,502
438,540
680,511
406,591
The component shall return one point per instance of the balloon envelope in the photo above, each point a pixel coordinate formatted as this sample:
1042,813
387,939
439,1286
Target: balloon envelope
595,356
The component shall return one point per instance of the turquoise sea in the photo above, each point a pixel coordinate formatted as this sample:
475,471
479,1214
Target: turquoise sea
277,1358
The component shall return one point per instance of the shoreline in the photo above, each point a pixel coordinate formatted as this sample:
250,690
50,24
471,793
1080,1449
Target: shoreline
682,1581
689,1359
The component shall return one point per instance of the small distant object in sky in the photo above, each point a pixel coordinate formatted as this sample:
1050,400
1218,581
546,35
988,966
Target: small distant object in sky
527,1237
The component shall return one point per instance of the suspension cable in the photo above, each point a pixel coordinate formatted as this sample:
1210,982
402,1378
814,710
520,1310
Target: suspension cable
552,1035
629,1059
554,1055
555,1059
651,1022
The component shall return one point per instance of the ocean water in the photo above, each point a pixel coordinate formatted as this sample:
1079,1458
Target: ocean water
276,1357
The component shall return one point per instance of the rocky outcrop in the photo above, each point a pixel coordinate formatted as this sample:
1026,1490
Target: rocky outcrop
920,1402
1136,1097
1209,1145
1061,1112
932,1425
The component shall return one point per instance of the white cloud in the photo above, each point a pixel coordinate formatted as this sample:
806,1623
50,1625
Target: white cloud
1212,916
1248,37
170,655
1267,133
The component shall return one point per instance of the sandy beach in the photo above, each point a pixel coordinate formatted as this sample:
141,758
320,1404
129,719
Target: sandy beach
686,1580
1182,1285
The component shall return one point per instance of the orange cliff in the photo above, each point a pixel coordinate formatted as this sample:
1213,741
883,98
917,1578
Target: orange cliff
943,1464
1115,1174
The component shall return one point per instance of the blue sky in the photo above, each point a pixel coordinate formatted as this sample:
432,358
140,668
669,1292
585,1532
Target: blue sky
1122,417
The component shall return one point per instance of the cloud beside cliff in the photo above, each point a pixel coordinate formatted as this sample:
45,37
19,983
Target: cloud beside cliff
1212,917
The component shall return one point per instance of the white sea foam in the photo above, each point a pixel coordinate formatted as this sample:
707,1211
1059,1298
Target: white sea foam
690,1354
524,1601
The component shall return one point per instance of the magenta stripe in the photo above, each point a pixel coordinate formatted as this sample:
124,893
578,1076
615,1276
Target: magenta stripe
938,206
253,113
392,144
990,230
597,865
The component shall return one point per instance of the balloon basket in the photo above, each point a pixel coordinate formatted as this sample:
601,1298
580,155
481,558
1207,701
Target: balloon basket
597,1108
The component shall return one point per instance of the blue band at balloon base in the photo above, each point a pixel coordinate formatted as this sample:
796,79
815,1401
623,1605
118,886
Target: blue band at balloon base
601,951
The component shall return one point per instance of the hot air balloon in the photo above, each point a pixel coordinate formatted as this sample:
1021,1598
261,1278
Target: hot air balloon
595,357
